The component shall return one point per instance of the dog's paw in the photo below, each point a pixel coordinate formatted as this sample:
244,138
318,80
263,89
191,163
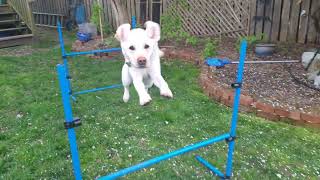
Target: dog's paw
166,93
126,98
145,100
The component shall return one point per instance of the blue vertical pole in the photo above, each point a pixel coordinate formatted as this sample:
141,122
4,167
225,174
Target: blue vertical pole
133,22
63,53
236,104
65,92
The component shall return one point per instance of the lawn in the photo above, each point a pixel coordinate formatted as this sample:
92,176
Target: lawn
114,135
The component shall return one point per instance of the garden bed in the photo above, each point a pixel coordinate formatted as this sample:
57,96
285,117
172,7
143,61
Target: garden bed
272,83
269,87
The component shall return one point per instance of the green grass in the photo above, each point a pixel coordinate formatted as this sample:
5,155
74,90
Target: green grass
114,135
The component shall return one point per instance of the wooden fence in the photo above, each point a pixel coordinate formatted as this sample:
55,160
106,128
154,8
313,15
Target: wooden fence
142,9
211,18
279,20
285,20
202,18
48,12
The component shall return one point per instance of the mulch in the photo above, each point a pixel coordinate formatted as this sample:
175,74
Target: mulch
271,83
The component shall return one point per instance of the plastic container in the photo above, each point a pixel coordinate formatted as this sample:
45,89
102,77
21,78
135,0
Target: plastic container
264,49
83,37
88,28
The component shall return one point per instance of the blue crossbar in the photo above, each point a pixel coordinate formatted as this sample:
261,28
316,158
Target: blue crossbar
72,54
210,167
97,89
158,159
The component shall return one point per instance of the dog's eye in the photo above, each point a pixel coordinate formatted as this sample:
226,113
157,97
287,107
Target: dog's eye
146,46
132,48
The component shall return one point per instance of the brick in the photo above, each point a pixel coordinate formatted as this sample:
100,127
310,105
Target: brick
226,95
267,115
227,102
219,92
295,115
310,118
246,100
264,107
282,112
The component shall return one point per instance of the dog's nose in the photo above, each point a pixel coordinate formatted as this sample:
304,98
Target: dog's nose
142,61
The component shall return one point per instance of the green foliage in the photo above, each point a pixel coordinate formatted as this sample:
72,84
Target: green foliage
210,49
251,40
171,25
95,18
192,40
96,9
171,29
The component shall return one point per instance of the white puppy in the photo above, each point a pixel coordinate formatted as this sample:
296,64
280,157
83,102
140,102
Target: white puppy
142,61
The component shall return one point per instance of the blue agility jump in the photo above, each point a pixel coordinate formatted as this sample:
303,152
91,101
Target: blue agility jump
71,122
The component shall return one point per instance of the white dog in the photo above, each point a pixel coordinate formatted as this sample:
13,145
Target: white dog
142,61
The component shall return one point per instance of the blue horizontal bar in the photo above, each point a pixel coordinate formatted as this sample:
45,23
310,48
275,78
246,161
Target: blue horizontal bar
155,160
71,54
97,89
210,167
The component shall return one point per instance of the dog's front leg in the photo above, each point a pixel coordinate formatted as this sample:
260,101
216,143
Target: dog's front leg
144,97
162,85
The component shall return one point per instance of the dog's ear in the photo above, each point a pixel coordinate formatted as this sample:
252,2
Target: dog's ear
122,32
153,30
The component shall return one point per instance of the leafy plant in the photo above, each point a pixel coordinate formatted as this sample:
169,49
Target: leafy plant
96,9
172,29
95,18
192,40
210,49
251,40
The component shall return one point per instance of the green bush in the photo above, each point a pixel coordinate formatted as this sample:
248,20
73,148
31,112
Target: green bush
251,40
210,49
96,8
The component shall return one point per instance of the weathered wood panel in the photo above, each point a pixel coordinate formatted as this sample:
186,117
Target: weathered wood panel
290,20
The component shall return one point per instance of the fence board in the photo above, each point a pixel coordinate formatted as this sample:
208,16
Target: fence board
268,18
294,21
312,34
253,11
304,19
285,20
276,19
259,17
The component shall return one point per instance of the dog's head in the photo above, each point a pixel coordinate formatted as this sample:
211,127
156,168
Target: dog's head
138,45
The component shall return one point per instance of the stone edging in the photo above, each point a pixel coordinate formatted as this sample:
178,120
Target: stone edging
249,104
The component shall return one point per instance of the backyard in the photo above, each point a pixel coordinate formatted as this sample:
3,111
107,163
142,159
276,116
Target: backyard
115,135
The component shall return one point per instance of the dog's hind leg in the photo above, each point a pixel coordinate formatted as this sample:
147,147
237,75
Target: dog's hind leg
126,81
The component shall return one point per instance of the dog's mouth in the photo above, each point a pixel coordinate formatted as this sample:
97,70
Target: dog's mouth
142,66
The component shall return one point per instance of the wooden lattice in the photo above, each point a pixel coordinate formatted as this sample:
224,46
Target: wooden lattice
212,18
